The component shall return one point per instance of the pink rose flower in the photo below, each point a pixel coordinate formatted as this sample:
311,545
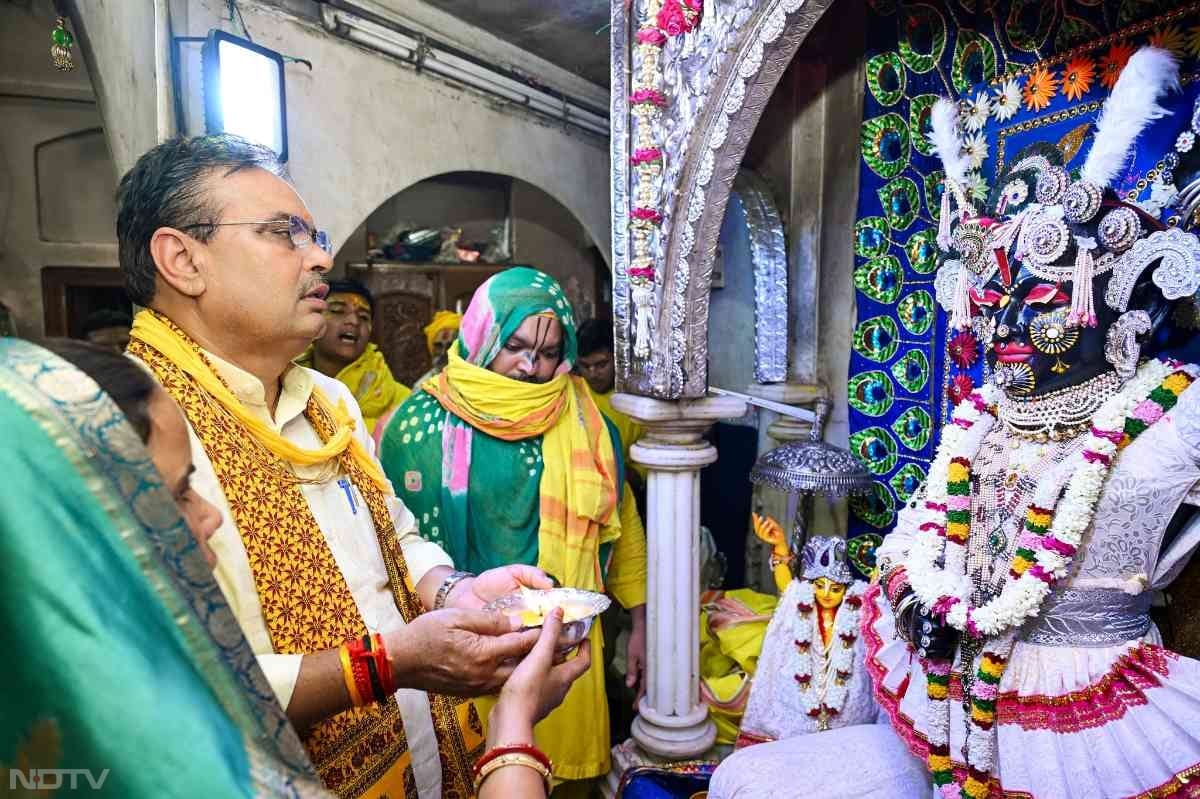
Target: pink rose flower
671,20
645,272
651,36
646,215
646,155
651,96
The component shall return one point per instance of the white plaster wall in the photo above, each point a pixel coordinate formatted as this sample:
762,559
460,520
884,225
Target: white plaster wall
362,127
40,106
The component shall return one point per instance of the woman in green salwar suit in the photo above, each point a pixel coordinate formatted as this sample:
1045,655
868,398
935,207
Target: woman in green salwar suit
122,667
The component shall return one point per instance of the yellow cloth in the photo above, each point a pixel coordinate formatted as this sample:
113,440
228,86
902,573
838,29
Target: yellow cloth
578,489
442,320
733,626
629,430
154,331
370,380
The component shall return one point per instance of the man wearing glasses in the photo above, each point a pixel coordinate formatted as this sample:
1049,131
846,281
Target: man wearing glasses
320,562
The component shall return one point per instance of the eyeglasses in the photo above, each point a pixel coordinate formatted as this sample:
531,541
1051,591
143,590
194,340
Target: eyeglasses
297,229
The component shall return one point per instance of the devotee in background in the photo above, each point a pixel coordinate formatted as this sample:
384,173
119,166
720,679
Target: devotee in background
597,365
344,351
108,328
440,333
322,566
536,477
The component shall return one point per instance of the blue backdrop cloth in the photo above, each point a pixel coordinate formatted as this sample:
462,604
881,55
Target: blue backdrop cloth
1023,71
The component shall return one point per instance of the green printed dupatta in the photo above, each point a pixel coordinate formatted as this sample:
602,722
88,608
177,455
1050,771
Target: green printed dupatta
123,666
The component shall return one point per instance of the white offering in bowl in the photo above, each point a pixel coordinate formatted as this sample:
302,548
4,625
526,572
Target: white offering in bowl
532,606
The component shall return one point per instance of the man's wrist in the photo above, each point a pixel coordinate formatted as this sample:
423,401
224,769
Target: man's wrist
399,655
453,581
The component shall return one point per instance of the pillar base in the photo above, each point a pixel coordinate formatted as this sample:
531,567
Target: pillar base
681,743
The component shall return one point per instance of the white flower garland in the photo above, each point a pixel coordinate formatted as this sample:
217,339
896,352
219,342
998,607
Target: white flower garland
825,688
947,589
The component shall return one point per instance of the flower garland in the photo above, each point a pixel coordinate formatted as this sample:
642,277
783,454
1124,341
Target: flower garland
1053,531
660,19
829,690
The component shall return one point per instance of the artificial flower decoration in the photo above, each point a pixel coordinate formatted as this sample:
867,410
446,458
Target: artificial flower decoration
976,186
1169,38
977,112
1040,89
1185,142
1077,77
1113,62
1007,101
961,386
964,349
975,148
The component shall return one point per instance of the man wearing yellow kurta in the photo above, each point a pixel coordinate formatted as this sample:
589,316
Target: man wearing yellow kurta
345,352
315,549
596,366
505,458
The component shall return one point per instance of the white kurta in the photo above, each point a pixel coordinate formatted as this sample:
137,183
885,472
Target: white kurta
344,519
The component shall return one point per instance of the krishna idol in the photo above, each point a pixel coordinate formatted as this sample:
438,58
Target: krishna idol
1008,636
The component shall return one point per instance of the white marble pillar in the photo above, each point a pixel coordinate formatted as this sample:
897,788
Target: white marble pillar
672,722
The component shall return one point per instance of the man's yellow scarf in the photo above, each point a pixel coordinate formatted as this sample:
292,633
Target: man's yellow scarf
156,332
578,489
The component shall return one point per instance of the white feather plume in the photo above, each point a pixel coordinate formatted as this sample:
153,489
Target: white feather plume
947,141
1150,73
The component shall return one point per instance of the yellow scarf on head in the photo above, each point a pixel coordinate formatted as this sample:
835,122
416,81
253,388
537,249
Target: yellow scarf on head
156,331
578,491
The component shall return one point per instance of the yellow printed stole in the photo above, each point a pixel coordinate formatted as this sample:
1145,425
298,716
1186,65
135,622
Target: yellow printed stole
307,605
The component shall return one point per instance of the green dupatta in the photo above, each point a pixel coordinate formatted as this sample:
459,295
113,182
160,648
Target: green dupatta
123,661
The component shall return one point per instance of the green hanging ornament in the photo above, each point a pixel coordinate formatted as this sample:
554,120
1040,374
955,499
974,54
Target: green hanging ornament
61,42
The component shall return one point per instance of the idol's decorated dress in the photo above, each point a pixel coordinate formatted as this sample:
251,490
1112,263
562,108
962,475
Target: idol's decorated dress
803,685
1087,703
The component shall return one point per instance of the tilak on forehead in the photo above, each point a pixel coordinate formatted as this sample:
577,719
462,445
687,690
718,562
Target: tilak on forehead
356,300
503,303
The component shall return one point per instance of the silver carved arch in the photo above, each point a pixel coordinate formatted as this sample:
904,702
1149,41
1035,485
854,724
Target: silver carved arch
717,80
768,253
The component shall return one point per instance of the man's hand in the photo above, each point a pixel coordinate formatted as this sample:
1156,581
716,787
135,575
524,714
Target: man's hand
475,592
635,654
457,652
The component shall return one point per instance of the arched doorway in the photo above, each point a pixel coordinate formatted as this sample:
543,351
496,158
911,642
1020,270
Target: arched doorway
430,246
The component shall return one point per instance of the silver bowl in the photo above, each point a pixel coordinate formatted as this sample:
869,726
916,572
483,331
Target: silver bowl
543,601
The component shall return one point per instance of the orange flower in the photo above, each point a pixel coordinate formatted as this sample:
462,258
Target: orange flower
1039,90
1169,38
1077,77
1113,62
